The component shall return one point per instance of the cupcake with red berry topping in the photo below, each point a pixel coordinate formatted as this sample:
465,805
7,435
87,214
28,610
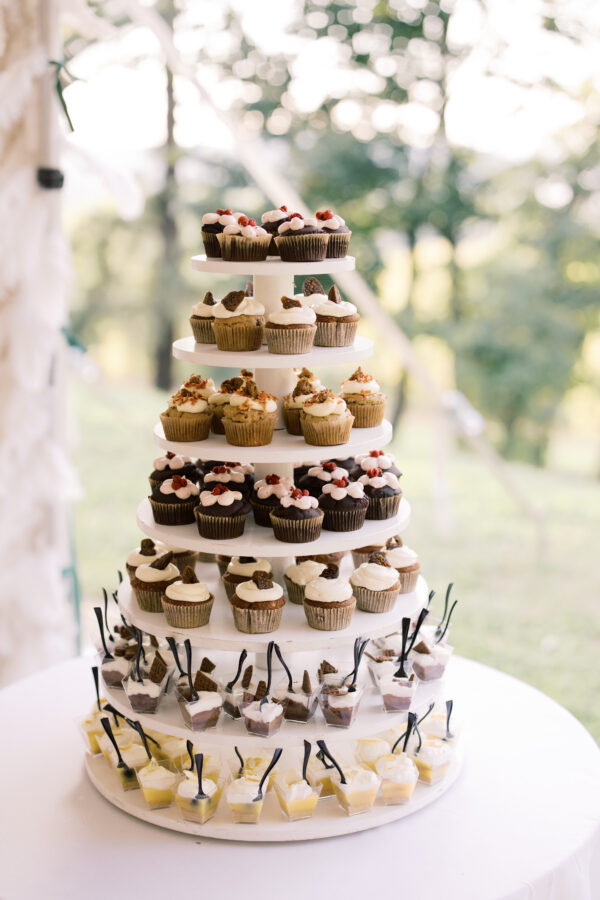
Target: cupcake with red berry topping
270,221
173,501
292,328
266,497
338,231
383,492
202,319
344,505
173,464
374,459
221,513
250,417
298,518
325,419
301,240
318,476
364,399
225,475
293,404
188,416
244,241
337,321
239,322
213,225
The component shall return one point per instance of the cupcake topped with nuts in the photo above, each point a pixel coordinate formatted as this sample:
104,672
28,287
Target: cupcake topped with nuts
325,419
188,416
221,398
203,387
294,402
365,400
304,373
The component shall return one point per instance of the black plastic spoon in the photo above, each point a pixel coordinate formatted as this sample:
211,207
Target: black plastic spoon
190,749
443,634
138,656
108,631
286,668
410,724
241,759
201,795
359,648
142,734
120,576
422,616
267,772
110,708
449,707
107,654
188,658
323,747
96,685
231,684
265,699
307,749
121,764
401,672
446,599
173,648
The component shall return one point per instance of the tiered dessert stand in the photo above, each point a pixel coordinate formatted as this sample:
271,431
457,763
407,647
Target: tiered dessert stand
300,644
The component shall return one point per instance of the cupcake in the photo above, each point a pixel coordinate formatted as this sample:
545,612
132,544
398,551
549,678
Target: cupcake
150,581
345,462
318,476
298,519
301,240
271,221
293,404
173,464
292,328
376,585
213,225
405,561
250,417
344,505
383,492
221,514
315,383
220,399
239,322
329,559
337,321
338,231
375,459
242,568
224,475
145,554
325,420
202,319
244,241
257,605
187,603
188,415
247,470
222,562
183,558
328,601
364,399
266,497
301,469
173,501
362,554
298,575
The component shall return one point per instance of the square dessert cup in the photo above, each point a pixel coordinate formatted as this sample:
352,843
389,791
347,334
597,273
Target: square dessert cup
319,772
399,776
433,760
262,721
431,666
234,699
243,801
359,793
158,784
91,731
369,750
339,706
297,798
115,671
145,696
201,713
173,754
135,758
255,764
298,706
397,693
199,809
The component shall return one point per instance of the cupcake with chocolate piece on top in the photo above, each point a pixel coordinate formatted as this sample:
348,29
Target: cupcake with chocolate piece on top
405,561
325,420
298,518
298,575
383,492
364,399
184,558
239,322
221,514
337,321
292,328
173,464
242,568
375,459
202,318
244,241
187,603
344,505
361,554
338,231
313,293
266,497
270,221
329,559
219,400
301,240
151,581
293,404
213,224
257,605
173,502
376,585
318,476
328,601
222,562
250,417
145,554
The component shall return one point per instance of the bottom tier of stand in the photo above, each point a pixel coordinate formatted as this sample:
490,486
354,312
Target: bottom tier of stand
329,820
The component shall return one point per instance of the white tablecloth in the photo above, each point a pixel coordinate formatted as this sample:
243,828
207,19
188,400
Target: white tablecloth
521,823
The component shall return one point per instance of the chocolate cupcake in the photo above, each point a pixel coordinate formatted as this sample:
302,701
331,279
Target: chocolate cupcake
298,519
186,602
247,470
318,476
338,231
337,321
213,224
325,420
202,318
375,459
257,605
173,501
229,477
151,581
188,415
291,329
221,514
250,417
219,400
301,240
344,505
244,241
266,497
383,492
173,464
328,601
301,469
222,562
293,404
345,462
375,584
270,221
239,322
364,399
242,568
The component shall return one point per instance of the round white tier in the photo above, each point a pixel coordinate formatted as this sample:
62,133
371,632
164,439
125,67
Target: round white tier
259,541
272,265
284,447
294,634
209,355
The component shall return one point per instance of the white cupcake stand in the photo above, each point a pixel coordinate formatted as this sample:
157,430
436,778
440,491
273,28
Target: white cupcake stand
301,646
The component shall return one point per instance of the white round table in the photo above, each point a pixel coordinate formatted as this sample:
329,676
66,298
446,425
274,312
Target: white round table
521,823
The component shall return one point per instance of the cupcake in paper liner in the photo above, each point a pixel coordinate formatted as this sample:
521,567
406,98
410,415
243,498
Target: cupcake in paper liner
294,403
362,554
189,415
337,321
187,603
244,241
344,504
213,224
328,601
173,501
202,318
221,514
318,476
376,585
239,322
297,576
242,568
266,497
325,420
257,605
338,231
383,492
220,399
364,399
405,561
250,417
227,475
298,519
145,554
270,221
151,581
292,328
375,459
173,464
301,240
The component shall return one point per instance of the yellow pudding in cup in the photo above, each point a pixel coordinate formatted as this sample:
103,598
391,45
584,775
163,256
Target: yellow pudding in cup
297,798
194,808
357,794
369,750
157,784
399,775
242,800
433,760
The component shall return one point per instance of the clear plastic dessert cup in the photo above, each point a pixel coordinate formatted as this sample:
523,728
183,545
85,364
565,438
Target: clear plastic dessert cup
135,758
198,809
123,735
297,798
201,712
369,750
243,801
397,693
433,760
92,731
399,775
358,794
144,696
339,705
431,666
256,761
264,720
298,706
235,699
158,784
115,671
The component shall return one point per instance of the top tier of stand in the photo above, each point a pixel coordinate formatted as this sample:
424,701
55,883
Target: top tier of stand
209,355
272,265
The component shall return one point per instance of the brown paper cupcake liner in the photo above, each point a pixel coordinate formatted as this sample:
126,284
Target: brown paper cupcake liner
211,244
408,580
321,432
187,559
262,514
337,245
194,428
296,531
206,557
202,329
366,415
256,433
240,336
329,619
344,519
383,507
291,420
222,564
217,419
149,601
181,513
358,557
257,621
229,588
290,340
375,601
242,249
295,591
302,247
335,334
219,528
187,615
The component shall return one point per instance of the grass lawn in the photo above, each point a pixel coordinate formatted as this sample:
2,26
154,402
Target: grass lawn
527,607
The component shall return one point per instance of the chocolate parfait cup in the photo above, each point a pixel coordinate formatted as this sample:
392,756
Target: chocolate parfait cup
339,706
201,713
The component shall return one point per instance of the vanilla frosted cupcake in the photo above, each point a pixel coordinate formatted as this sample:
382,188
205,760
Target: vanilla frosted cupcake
242,568
298,575
151,581
315,383
202,319
187,603
301,240
338,231
329,602
376,585
250,417
337,321
188,415
257,605
364,399
220,399
325,419
293,404
244,241
145,554
405,561
239,322
292,328
313,293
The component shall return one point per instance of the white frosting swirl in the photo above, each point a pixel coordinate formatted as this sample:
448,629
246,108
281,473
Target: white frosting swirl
435,752
334,406
328,590
305,501
205,387
242,790
397,767
248,307
204,310
189,489
353,489
368,750
264,490
188,786
137,558
332,224
220,218
298,401
297,224
366,461
187,593
374,577
219,399
266,402
229,475
149,575
386,479
192,404
356,778
302,573
175,462
401,557
295,315
329,308
324,475
249,592
274,215
369,386
227,498
236,567
311,300
247,231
